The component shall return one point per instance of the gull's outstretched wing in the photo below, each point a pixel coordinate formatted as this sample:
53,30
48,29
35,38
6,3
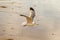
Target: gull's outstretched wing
32,13
29,20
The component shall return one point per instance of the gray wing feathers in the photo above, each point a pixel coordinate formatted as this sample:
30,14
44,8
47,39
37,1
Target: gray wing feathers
33,14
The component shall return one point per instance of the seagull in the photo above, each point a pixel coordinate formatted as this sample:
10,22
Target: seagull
30,18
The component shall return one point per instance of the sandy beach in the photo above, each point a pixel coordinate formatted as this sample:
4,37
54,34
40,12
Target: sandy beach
47,16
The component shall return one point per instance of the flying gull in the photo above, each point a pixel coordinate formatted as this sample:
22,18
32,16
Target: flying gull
30,18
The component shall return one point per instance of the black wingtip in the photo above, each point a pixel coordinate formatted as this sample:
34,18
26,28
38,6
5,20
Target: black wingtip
23,15
31,8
